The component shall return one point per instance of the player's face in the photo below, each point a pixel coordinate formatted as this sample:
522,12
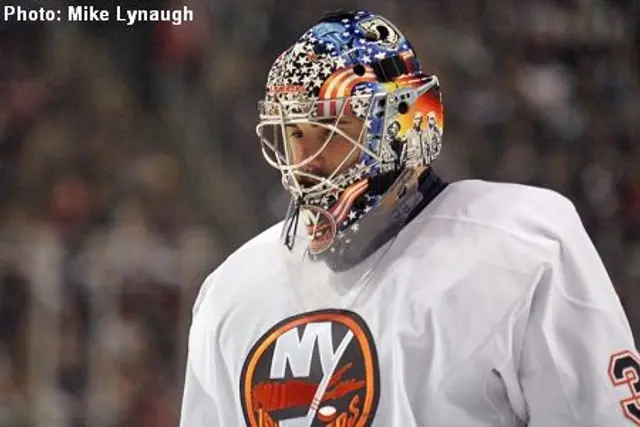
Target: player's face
306,140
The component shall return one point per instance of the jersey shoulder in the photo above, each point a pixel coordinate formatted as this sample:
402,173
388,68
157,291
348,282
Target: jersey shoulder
245,269
519,209
508,224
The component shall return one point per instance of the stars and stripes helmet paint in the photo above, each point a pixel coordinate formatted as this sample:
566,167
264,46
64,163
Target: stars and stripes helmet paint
351,63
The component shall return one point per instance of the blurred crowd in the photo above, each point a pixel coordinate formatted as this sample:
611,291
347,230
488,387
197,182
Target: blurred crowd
129,168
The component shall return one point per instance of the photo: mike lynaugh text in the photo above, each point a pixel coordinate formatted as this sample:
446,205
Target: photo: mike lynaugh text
90,13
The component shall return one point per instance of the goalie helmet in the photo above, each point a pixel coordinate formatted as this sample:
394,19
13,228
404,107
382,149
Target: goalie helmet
357,64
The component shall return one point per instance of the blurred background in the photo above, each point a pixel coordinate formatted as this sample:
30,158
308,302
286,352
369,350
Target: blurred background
129,168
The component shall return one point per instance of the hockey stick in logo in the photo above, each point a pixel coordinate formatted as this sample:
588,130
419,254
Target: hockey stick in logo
324,383
322,387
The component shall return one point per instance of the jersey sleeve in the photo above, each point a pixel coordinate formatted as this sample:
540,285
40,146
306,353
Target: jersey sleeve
578,365
199,408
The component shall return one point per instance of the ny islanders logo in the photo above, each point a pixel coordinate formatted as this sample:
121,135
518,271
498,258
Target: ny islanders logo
314,369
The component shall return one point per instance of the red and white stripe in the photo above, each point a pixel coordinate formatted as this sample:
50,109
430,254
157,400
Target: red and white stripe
339,85
340,210
408,57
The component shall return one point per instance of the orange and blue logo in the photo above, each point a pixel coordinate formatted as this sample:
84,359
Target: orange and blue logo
313,369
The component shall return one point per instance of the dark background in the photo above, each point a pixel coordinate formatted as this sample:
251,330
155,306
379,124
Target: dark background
129,168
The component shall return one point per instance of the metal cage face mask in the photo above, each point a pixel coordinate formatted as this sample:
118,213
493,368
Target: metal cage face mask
353,66
283,152
400,125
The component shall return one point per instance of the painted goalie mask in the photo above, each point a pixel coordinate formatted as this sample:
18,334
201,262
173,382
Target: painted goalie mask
351,64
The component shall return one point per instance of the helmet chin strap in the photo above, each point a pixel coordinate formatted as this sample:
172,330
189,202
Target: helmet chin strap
291,224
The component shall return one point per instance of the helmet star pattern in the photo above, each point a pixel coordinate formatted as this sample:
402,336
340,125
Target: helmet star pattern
341,66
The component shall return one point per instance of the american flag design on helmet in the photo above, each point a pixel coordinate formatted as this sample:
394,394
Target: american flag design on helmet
352,63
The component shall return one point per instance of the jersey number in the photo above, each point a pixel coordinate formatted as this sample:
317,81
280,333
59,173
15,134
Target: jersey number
624,369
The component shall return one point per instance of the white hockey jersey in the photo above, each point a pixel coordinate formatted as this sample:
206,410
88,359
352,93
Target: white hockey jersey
493,310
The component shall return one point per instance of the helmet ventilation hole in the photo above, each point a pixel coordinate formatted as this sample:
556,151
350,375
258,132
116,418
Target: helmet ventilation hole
359,70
